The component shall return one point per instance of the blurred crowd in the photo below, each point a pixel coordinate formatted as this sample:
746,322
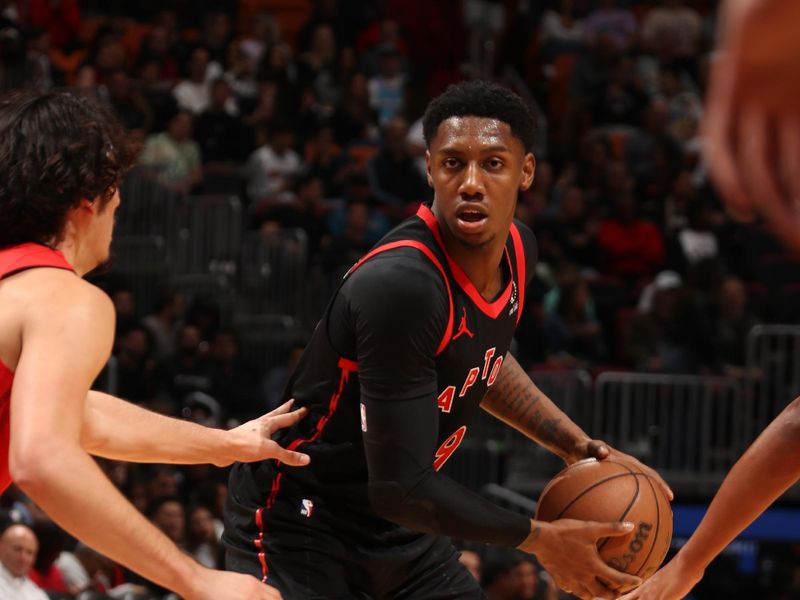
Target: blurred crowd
309,112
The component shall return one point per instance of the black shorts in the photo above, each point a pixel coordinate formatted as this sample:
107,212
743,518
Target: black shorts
301,544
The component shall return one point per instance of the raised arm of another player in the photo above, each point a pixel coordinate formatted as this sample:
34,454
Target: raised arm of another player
399,311
765,471
515,400
116,429
67,330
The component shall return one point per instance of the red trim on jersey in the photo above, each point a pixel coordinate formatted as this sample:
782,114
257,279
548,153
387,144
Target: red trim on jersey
492,309
25,256
346,366
448,331
519,251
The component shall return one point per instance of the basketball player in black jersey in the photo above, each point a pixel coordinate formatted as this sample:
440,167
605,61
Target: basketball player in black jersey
412,345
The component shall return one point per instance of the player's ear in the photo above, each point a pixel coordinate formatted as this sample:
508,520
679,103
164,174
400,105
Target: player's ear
90,204
528,171
428,167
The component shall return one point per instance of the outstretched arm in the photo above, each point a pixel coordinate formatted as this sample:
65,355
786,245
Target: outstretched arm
46,459
113,428
766,470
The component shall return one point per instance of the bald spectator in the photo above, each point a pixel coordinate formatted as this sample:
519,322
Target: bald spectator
18,548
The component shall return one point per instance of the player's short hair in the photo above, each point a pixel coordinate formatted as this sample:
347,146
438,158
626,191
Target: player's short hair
55,149
481,99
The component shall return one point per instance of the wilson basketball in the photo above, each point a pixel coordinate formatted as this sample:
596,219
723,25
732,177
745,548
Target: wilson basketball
610,490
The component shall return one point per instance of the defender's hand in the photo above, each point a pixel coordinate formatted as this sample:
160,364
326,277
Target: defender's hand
672,582
252,441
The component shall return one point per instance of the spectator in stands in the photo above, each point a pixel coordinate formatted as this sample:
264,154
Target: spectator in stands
305,210
274,383
264,33
651,153
168,515
129,105
684,108
630,247
354,240
242,76
45,573
656,338
216,35
158,49
201,537
612,21
696,241
174,155
188,371
157,94
324,160
672,22
62,19
387,87
233,381
220,134
732,321
18,548
561,31
394,178
620,101
570,325
317,67
358,190
354,118
135,364
162,481
193,93
571,237
164,321
272,167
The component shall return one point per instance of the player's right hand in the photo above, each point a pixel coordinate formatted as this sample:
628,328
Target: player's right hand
672,582
567,549
224,585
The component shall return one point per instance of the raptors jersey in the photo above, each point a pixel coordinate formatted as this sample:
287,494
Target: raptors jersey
13,260
452,343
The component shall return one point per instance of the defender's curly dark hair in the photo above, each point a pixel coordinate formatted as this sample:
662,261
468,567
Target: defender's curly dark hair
55,149
481,99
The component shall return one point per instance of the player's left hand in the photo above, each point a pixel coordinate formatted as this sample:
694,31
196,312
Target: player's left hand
600,450
672,582
252,441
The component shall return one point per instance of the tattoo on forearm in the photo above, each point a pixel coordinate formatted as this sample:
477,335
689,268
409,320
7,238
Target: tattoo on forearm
514,399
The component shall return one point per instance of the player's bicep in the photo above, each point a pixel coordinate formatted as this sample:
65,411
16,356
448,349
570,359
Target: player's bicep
65,344
399,310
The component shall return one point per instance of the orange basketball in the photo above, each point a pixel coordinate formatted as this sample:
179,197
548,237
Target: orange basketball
611,490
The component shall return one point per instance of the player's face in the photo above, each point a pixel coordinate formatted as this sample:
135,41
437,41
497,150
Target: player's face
477,168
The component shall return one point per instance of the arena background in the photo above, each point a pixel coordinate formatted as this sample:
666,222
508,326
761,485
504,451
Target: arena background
282,138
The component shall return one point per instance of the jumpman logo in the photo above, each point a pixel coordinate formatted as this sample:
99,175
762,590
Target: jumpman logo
462,327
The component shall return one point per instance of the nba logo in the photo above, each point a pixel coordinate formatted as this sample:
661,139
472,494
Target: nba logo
308,507
363,417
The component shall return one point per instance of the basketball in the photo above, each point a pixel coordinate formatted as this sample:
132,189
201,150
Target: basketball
610,490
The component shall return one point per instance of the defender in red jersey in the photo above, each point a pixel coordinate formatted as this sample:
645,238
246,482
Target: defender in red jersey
414,342
61,157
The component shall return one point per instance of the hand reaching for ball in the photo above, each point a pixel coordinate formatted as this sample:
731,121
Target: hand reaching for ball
602,451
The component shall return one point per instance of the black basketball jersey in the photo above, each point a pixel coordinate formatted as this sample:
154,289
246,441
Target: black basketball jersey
406,288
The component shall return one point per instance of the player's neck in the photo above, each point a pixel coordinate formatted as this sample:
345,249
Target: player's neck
75,253
481,265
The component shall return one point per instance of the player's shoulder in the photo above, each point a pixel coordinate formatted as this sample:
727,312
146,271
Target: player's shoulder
397,279
57,294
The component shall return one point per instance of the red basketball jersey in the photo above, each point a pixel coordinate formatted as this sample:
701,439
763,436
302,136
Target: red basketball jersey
13,260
